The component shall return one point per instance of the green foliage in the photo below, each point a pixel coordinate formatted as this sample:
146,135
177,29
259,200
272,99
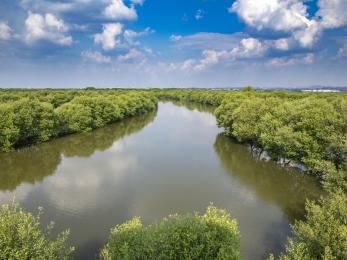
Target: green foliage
22,238
207,97
248,88
74,118
310,130
8,131
34,116
323,235
26,121
213,235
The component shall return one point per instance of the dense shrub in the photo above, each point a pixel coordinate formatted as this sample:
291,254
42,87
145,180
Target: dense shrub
323,235
74,118
208,97
33,116
310,130
213,235
8,131
22,238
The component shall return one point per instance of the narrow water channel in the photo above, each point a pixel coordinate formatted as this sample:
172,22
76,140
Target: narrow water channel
173,160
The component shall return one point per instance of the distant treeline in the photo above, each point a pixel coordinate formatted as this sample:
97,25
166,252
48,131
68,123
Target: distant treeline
32,116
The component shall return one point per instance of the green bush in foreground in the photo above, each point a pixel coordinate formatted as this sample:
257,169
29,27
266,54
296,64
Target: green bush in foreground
213,235
323,235
22,238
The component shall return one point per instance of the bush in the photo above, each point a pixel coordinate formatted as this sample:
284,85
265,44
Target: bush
309,130
8,131
22,238
213,235
34,116
324,233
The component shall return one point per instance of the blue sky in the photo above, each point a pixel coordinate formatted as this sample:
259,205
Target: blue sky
156,43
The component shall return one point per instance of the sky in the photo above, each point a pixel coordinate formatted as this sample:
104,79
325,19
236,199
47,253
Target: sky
181,43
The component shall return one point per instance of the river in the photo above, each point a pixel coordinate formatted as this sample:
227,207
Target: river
172,160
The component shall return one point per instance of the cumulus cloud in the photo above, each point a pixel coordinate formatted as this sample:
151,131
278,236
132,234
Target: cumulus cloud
279,15
95,56
308,36
5,31
130,35
131,55
288,61
117,10
47,27
210,57
274,14
333,13
108,38
282,44
291,16
249,48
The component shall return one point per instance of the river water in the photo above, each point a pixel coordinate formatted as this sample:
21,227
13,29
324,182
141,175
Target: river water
172,160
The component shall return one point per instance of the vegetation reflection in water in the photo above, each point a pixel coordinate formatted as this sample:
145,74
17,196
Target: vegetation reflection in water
283,186
182,165
33,164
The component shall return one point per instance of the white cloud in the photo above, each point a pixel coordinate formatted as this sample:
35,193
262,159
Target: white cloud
210,57
204,41
342,52
108,37
282,44
53,22
333,13
5,31
138,2
130,35
175,38
48,6
291,16
199,14
47,27
249,48
133,54
288,61
95,56
187,65
308,36
117,10
279,15
148,50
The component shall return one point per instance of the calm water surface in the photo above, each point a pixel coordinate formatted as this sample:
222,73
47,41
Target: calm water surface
174,160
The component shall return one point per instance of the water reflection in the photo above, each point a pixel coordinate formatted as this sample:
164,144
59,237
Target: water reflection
283,186
33,164
195,106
